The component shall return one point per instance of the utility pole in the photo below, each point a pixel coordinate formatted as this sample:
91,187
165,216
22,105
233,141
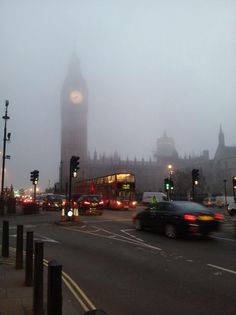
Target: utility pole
225,191
6,138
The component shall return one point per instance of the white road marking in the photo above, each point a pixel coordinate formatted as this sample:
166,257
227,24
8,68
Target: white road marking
128,230
221,268
114,236
108,220
38,237
14,227
224,238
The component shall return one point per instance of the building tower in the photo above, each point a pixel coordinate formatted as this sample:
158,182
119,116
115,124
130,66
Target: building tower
221,138
74,109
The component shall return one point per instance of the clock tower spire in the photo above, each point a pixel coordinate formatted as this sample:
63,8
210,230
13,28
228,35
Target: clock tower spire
74,109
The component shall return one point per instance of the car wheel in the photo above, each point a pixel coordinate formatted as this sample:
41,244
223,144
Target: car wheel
138,225
233,212
170,231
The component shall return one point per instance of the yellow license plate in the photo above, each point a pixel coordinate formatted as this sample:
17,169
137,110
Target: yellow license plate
205,218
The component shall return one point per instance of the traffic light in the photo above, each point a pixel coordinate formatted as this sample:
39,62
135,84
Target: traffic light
167,183
74,165
234,182
171,184
34,177
195,176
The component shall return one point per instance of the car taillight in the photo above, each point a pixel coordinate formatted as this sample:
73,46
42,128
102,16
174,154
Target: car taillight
219,216
101,202
190,217
86,202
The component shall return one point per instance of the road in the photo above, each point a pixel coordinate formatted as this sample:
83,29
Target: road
125,272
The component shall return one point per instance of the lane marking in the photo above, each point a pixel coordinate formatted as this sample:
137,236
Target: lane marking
72,286
108,220
221,268
223,238
38,237
14,227
131,235
78,293
115,237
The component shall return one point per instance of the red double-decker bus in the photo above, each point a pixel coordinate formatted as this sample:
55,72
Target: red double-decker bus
117,190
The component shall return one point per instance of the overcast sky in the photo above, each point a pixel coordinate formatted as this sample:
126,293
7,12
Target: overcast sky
150,66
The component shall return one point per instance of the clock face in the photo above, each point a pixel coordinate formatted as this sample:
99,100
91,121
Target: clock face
76,97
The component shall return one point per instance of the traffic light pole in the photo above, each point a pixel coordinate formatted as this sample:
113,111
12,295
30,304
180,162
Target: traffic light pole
225,192
193,193
34,193
70,181
234,187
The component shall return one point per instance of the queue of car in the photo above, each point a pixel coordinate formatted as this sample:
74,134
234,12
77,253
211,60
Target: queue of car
172,218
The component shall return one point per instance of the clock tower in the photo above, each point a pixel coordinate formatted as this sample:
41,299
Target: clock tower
74,109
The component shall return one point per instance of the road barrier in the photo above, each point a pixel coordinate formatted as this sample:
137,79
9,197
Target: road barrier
19,247
54,305
29,258
38,279
34,274
5,239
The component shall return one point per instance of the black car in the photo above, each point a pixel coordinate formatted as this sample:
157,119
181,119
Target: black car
53,202
176,218
90,204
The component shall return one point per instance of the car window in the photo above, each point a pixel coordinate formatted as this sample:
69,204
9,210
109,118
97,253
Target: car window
164,206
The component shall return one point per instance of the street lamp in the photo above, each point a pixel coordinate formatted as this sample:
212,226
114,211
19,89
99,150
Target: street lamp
170,167
6,138
225,191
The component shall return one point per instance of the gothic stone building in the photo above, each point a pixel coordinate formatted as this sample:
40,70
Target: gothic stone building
149,174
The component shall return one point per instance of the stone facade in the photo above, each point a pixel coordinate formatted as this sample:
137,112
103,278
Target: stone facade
149,174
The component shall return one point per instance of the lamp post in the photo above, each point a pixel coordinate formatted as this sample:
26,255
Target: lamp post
170,180
6,138
225,191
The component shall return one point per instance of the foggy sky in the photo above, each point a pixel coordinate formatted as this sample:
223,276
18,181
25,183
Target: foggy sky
150,66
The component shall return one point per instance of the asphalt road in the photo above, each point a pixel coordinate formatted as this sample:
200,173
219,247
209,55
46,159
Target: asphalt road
127,272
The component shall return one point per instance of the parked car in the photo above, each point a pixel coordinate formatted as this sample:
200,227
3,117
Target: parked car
90,204
232,209
176,218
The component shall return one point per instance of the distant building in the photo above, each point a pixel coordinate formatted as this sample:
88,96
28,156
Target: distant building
165,148
149,174
224,164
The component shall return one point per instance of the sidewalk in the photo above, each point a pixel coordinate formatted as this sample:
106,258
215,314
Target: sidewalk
17,299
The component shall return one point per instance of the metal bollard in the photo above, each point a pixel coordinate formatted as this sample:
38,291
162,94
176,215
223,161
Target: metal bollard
38,279
54,305
29,258
19,247
5,239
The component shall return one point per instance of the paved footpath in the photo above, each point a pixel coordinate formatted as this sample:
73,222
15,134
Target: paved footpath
17,299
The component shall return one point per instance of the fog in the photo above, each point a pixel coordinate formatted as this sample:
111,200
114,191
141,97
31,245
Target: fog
150,66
